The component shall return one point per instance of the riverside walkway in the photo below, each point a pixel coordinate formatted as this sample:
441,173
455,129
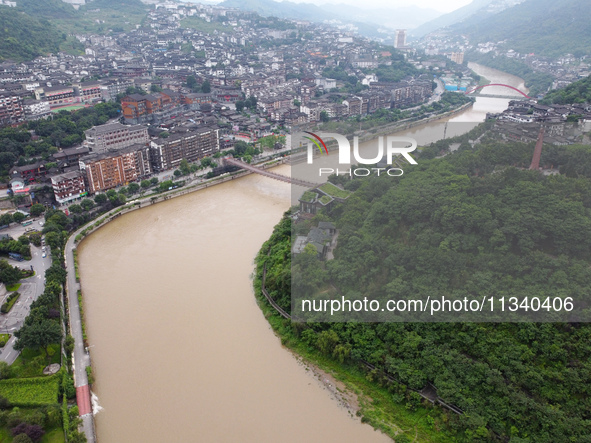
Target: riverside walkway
81,358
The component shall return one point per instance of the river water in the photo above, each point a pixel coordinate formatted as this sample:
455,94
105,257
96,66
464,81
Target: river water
180,350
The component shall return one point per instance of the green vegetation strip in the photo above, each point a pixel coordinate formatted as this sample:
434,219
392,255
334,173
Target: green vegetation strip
7,306
82,315
30,392
75,253
4,339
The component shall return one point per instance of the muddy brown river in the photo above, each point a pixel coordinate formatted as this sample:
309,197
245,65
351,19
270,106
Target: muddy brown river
180,350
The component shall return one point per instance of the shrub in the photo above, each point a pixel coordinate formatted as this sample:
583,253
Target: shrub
22,438
7,306
34,432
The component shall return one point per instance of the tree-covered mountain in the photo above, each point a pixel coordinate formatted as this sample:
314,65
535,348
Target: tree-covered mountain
451,18
23,37
536,82
577,92
545,27
37,27
473,222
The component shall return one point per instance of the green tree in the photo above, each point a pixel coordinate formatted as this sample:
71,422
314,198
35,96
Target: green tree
207,162
87,204
191,81
100,199
145,184
324,116
37,209
39,334
5,219
132,188
76,209
5,371
184,167
54,240
206,87
9,275
18,217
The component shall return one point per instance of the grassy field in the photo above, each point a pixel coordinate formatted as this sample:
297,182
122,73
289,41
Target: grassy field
54,436
31,363
36,391
68,108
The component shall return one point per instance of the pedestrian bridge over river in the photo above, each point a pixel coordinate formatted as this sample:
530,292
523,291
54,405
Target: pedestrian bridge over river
273,175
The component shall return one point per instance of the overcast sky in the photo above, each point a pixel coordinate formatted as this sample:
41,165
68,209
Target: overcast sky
439,5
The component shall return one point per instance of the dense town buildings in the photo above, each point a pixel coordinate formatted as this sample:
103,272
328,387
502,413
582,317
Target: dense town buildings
183,90
11,109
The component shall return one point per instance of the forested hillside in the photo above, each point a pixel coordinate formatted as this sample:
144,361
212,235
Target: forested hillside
577,92
544,27
537,82
451,17
39,27
23,37
468,223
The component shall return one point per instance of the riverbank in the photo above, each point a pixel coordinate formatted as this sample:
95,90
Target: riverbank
365,395
378,131
82,358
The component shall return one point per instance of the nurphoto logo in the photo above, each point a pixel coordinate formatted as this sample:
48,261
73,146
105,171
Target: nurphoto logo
388,146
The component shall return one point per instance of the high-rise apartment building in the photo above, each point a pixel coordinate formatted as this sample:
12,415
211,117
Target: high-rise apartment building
115,136
400,39
108,170
167,153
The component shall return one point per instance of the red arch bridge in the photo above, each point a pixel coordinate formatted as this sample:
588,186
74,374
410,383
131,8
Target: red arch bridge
498,84
283,178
